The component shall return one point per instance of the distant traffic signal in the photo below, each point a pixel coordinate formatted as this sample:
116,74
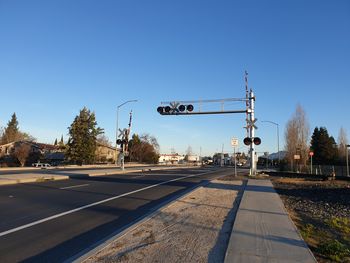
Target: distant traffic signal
167,109
160,109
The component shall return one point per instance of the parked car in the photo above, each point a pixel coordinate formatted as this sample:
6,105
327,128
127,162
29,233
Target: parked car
41,165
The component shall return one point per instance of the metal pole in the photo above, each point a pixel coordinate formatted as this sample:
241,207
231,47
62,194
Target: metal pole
122,164
347,160
252,135
311,164
278,139
234,155
116,145
278,144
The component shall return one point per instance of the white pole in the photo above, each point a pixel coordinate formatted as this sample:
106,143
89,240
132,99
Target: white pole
278,144
311,164
347,160
252,135
234,155
116,135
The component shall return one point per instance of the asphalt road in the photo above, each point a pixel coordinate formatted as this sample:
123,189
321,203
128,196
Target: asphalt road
58,220
69,170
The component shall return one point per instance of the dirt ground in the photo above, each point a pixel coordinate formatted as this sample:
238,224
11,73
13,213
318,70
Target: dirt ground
195,228
321,211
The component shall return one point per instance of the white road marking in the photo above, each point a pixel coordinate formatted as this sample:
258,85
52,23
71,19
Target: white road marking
74,186
92,204
138,176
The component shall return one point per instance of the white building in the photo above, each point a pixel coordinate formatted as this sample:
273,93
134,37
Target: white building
170,158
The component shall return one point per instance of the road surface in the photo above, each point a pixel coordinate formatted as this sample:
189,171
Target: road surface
59,220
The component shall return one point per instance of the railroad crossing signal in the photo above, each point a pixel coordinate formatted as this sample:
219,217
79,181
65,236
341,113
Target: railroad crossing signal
251,123
248,141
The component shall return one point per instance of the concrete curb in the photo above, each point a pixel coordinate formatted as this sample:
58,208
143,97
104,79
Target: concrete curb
10,181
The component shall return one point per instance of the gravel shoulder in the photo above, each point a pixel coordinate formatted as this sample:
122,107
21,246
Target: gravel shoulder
194,228
321,211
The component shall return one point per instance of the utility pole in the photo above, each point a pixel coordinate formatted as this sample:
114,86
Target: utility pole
278,139
347,160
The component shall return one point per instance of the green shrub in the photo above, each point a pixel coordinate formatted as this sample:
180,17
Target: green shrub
334,250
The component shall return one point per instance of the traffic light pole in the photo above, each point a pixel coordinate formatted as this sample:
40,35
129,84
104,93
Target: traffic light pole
252,133
179,108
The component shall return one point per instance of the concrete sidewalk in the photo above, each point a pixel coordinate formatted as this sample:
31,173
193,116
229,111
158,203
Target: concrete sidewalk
263,231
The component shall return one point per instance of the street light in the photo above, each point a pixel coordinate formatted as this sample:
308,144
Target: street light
116,145
347,159
278,139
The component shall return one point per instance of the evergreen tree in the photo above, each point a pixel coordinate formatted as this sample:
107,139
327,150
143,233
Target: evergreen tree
61,141
11,132
323,146
55,143
82,138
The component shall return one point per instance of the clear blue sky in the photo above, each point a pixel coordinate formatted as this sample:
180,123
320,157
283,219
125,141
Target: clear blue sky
59,56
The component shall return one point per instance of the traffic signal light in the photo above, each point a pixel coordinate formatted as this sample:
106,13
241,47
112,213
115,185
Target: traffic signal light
257,141
182,108
174,109
189,108
167,109
247,141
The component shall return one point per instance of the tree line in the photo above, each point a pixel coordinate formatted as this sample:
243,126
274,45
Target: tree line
325,149
84,137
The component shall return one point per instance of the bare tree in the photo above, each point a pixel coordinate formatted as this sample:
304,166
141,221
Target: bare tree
144,148
342,143
297,136
103,139
22,153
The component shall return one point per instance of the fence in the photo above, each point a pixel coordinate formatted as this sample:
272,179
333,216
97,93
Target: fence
318,169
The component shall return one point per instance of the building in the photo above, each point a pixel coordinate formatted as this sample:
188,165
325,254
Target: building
37,151
173,158
105,153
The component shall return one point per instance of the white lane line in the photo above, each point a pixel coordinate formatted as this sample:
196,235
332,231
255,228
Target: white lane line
74,186
92,204
138,176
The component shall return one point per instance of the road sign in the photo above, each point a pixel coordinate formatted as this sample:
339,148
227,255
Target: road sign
234,142
311,153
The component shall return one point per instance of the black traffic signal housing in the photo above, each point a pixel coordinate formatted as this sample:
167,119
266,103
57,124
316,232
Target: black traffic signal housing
167,110
257,141
248,141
